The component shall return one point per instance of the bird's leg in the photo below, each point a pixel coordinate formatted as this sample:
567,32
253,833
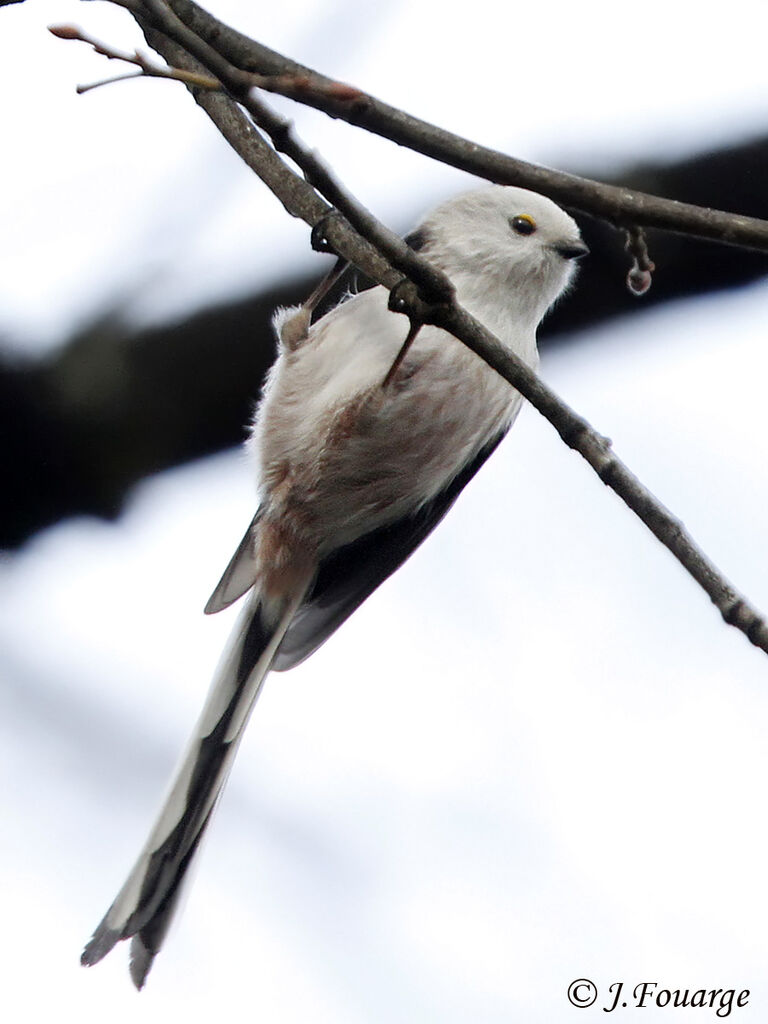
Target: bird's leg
326,284
413,330
318,237
294,325
294,329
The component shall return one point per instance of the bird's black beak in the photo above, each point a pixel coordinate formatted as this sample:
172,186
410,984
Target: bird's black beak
572,250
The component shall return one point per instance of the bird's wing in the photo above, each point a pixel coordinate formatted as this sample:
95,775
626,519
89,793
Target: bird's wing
240,574
348,575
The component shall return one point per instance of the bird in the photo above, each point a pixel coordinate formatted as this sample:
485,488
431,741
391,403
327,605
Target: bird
357,456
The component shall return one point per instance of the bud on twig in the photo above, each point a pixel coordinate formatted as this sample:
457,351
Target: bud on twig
639,275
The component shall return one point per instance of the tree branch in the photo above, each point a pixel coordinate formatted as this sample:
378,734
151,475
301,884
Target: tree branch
448,315
620,206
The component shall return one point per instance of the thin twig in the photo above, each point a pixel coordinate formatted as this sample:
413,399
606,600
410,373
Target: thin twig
146,67
300,199
81,90
294,84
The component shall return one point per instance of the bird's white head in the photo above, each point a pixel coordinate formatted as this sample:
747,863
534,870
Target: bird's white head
502,246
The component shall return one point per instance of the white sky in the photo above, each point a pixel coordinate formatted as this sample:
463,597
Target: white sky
535,754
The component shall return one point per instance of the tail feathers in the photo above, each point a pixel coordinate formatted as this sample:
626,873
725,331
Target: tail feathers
147,942
145,906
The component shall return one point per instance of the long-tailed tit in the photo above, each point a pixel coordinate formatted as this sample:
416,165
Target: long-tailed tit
353,474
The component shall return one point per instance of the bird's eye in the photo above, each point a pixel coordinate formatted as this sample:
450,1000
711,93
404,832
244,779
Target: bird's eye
523,225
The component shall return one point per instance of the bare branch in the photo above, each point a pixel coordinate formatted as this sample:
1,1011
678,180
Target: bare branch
620,206
583,438
447,314
241,86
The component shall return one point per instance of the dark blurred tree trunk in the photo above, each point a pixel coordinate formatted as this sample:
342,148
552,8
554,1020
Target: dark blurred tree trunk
116,404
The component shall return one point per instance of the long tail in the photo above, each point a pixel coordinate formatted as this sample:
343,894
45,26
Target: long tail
145,905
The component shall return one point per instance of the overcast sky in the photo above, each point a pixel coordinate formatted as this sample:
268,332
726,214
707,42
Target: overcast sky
534,755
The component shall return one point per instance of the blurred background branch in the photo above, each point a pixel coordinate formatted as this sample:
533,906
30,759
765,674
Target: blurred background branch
117,403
